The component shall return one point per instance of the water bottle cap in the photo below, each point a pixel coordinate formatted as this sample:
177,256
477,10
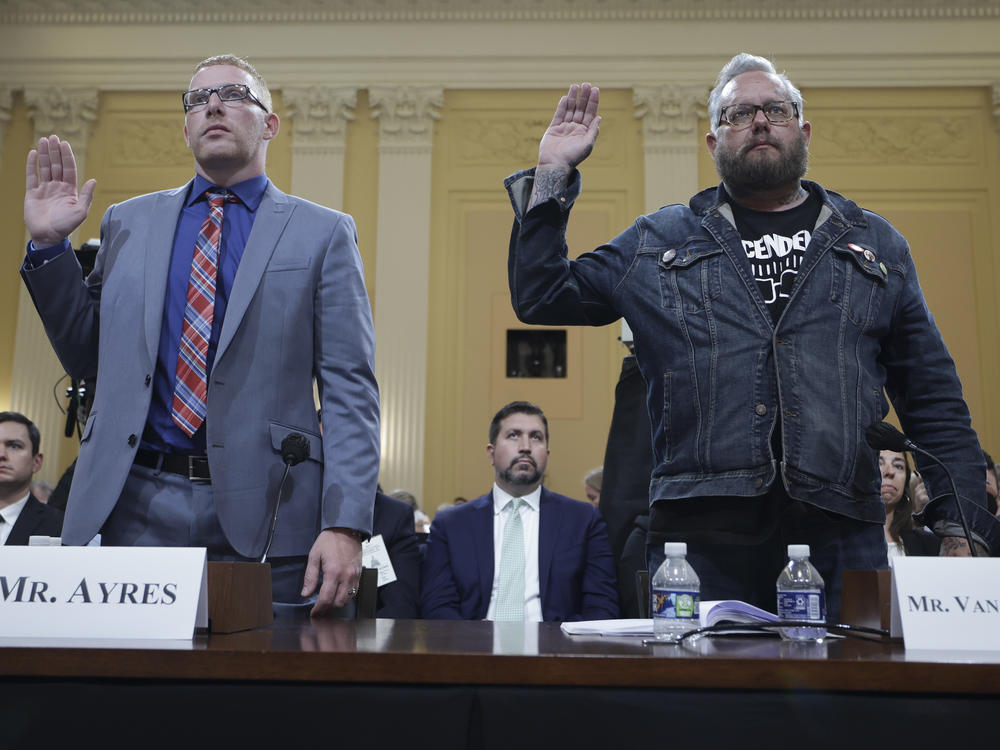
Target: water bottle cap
798,551
672,549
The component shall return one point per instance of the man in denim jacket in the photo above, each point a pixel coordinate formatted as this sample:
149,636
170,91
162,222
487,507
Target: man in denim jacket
770,316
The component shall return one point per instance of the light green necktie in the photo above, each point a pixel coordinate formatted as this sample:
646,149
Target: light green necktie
510,597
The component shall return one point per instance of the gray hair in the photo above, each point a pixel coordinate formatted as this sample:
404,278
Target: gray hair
747,63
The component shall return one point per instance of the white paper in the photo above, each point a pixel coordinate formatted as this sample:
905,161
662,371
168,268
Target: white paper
375,555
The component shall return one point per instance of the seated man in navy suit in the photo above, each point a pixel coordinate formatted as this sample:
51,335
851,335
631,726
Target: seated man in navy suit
519,552
21,515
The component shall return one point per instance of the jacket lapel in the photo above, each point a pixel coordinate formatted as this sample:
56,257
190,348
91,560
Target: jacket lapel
483,538
26,522
156,263
272,215
547,530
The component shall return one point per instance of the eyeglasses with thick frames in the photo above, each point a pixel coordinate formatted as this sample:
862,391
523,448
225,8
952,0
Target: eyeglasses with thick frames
739,116
228,92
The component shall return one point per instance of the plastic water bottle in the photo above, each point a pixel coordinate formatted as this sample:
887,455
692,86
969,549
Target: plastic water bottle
674,594
800,595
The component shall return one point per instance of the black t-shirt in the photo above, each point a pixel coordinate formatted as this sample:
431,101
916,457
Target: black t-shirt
775,243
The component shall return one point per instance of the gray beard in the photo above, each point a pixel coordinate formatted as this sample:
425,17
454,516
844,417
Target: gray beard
748,175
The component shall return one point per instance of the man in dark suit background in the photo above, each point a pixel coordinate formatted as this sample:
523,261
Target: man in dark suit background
21,515
393,521
519,552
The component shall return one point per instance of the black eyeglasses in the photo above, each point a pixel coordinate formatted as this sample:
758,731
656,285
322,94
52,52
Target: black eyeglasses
228,92
741,115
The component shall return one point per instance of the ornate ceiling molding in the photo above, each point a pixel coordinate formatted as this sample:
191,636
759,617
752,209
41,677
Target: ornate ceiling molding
341,11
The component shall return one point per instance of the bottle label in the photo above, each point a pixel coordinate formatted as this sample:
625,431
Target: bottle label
802,605
675,605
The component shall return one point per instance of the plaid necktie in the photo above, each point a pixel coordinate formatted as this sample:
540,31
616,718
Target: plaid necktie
510,596
191,384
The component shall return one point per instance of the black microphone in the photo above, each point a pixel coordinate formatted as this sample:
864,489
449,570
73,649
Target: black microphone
882,436
294,450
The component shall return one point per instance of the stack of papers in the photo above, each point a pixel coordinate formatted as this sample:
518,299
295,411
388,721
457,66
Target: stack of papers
711,613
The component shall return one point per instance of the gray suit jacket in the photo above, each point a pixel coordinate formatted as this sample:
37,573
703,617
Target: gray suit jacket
298,310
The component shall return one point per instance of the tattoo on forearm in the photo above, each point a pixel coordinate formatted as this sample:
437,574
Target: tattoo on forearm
952,546
548,184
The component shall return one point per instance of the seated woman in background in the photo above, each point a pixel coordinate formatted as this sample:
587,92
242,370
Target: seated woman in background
901,535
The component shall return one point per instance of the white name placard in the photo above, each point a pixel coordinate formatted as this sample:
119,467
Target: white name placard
102,592
947,603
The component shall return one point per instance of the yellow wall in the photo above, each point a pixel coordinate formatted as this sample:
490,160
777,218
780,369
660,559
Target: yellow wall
927,159
481,138
16,145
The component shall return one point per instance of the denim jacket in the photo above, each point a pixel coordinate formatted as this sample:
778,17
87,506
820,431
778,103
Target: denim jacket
721,375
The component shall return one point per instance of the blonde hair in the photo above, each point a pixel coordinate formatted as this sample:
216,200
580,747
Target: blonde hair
259,84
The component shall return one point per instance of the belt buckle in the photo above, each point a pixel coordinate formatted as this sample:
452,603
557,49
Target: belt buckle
193,462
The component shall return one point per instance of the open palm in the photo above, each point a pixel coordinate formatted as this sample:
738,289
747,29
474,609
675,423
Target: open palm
570,136
53,208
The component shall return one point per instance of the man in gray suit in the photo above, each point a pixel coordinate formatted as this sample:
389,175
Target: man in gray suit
211,311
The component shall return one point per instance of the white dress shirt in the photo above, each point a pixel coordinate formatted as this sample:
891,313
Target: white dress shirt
502,508
10,515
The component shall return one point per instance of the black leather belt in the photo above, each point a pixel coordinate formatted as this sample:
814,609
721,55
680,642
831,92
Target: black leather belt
194,468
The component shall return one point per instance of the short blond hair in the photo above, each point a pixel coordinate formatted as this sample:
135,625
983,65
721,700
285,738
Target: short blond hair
259,84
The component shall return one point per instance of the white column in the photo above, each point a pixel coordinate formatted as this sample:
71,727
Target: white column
69,113
406,116
671,140
319,117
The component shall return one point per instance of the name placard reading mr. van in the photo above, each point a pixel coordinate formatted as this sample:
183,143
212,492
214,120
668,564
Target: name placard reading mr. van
102,592
947,603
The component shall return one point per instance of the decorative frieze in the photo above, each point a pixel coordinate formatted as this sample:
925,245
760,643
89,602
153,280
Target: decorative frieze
406,115
489,140
66,112
339,11
669,113
146,141
895,141
320,115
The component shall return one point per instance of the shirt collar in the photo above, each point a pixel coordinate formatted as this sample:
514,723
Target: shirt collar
250,192
501,498
11,512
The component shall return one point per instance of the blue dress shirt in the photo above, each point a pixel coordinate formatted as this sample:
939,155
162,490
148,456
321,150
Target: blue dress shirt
161,432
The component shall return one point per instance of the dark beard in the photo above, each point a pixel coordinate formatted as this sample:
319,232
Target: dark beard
743,174
520,480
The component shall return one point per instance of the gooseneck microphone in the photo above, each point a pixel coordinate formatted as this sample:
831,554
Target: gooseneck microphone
882,436
294,450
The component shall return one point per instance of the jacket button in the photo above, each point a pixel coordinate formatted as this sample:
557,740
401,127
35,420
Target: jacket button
758,483
149,380
669,256
132,440
760,410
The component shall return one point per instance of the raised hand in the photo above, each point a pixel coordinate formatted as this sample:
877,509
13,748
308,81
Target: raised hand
570,136
53,208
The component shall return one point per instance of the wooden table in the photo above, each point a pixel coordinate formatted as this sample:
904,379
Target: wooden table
479,684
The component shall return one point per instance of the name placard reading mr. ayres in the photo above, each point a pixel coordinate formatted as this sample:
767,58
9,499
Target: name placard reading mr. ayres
949,603
102,592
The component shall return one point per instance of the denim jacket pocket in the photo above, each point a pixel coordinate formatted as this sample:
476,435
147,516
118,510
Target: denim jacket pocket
690,275
856,279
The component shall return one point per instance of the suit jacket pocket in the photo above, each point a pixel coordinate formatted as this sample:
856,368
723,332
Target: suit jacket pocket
280,431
